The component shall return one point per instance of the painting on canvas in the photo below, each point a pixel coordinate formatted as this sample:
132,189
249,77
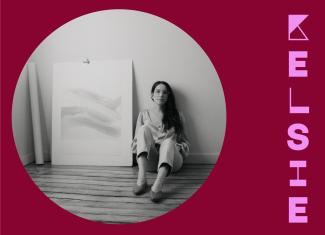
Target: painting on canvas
92,113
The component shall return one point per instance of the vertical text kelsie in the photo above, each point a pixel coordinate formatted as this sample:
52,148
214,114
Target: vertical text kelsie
297,132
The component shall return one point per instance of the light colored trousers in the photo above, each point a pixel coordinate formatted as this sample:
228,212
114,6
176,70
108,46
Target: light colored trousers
168,152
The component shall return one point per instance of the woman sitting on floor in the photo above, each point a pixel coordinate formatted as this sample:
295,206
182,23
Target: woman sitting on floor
160,142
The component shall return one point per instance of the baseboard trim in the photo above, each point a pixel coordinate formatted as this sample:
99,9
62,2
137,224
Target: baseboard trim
27,158
30,158
202,158
193,158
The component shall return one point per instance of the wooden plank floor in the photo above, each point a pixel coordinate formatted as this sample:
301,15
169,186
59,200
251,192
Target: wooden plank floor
104,194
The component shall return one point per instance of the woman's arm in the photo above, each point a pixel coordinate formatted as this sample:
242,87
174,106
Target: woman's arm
183,142
138,125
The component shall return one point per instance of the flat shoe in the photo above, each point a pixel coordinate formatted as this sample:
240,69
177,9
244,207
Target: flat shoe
139,189
156,196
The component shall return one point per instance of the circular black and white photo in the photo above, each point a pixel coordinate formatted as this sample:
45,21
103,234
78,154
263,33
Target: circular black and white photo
119,116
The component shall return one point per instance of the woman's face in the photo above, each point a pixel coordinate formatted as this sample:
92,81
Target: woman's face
160,94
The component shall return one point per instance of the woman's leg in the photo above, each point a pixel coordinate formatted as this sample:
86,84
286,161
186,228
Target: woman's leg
163,171
144,144
142,165
170,160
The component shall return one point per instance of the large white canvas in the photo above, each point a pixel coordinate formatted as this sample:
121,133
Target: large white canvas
92,113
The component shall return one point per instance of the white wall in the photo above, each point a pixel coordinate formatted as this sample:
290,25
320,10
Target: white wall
22,121
159,50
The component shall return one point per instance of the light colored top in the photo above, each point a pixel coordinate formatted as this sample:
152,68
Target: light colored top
158,133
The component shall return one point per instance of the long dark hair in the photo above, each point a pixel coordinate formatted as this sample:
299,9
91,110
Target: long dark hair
171,117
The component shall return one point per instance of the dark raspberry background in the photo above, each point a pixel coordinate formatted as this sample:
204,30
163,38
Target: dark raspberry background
248,190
